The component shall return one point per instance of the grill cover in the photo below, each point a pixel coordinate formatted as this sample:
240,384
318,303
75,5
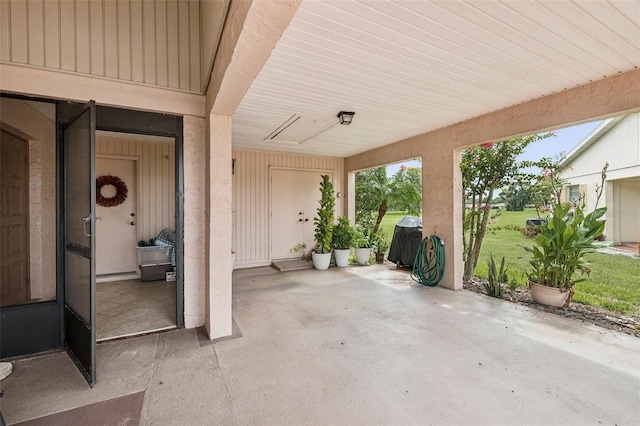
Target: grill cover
407,236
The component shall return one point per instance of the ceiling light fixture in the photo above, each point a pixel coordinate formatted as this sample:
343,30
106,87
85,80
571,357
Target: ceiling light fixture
346,117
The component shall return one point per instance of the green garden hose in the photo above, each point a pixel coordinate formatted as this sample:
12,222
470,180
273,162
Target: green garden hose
428,266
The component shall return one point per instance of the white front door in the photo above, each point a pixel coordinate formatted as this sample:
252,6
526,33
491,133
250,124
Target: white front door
116,235
294,200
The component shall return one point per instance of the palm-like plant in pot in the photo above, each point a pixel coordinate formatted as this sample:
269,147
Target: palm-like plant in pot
343,234
321,255
559,250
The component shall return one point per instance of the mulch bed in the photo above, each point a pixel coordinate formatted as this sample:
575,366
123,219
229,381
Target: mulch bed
588,314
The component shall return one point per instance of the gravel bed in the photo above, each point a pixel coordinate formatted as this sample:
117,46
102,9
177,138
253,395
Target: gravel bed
588,314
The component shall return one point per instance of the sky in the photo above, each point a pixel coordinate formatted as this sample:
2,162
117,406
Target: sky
564,141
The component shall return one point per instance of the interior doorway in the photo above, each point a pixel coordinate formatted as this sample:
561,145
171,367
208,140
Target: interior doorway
135,284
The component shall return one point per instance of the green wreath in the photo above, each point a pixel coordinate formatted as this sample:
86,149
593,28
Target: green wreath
121,191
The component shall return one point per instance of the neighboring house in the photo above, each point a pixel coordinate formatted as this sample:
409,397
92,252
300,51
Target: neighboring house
615,141
220,117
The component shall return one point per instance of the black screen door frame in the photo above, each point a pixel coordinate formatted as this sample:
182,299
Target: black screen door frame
79,221
39,327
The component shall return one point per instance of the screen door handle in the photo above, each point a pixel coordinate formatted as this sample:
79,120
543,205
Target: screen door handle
85,220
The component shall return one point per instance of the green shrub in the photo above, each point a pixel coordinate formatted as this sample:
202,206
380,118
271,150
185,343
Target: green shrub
496,278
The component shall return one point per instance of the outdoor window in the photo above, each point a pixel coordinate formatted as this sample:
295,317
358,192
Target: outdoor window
574,193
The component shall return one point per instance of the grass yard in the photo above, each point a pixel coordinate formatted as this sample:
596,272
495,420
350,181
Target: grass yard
614,282
389,221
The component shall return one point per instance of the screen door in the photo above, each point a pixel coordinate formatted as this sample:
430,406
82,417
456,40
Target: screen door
79,239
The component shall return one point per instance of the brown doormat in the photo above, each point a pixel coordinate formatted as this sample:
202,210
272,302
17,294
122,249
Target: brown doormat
117,411
292,265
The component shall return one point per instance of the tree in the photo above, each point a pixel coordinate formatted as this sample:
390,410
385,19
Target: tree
406,190
372,194
486,168
375,193
516,196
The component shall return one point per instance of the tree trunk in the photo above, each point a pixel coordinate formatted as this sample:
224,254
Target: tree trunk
382,210
464,229
476,240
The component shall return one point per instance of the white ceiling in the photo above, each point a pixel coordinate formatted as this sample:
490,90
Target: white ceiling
409,67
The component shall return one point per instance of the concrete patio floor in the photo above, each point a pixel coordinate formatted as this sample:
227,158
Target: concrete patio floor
362,345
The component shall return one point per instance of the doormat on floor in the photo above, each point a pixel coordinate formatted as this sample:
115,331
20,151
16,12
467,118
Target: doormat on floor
292,265
117,411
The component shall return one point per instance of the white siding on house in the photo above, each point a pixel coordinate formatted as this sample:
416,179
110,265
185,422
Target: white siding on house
251,221
152,42
156,189
620,147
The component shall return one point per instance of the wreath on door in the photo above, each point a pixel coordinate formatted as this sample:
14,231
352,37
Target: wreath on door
121,191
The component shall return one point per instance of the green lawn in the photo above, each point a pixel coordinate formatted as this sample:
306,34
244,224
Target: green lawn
389,221
614,282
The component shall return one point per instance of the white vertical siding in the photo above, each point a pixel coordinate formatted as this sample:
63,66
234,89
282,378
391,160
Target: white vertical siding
251,216
156,180
212,16
620,147
154,42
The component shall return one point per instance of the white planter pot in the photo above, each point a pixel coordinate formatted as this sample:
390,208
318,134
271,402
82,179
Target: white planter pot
362,256
233,260
342,257
549,296
321,261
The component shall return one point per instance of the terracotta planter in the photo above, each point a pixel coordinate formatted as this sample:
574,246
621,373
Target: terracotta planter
321,261
342,257
362,256
550,296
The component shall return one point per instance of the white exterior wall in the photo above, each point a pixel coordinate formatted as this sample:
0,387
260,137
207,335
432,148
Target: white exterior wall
250,208
620,147
152,42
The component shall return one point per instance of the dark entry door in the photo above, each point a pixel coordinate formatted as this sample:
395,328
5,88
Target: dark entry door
14,220
79,240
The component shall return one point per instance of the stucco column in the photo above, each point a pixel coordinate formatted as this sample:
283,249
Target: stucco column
218,227
350,198
442,207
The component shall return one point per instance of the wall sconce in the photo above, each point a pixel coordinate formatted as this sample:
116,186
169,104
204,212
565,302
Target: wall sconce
346,117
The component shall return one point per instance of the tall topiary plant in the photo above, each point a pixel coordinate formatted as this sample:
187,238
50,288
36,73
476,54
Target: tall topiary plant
324,217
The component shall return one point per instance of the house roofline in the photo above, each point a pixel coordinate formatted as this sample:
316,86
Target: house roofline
591,138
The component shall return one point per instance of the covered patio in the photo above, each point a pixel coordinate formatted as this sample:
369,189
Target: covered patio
362,345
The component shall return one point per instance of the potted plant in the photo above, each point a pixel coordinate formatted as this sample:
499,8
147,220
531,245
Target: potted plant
560,247
380,246
363,242
342,241
558,253
323,235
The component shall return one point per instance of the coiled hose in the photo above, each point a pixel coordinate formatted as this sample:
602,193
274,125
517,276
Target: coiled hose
428,266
